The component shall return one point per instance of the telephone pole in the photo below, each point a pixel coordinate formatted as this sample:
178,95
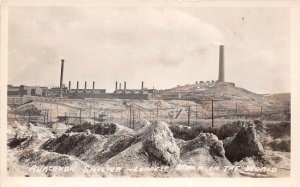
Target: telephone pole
130,117
212,113
189,114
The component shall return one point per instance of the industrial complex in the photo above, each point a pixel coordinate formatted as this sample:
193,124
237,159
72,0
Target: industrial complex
120,92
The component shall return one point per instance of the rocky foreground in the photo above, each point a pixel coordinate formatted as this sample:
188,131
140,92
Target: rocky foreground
156,149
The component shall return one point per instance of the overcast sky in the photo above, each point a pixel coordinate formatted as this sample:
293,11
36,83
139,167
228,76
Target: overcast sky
161,46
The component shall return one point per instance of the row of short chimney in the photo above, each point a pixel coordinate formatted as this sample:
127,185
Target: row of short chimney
116,88
77,86
120,86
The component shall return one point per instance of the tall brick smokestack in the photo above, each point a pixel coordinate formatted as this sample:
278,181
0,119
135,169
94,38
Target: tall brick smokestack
93,85
221,64
85,86
61,77
120,86
116,86
142,86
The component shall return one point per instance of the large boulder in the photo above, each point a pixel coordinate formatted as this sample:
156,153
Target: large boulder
243,144
160,144
206,150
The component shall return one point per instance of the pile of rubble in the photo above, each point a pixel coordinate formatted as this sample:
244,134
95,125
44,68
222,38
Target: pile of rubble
156,144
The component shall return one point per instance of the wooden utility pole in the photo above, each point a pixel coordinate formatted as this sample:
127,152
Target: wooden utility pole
189,114
130,117
212,113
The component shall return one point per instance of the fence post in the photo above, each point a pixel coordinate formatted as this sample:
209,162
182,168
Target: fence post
47,115
66,118
44,116
139,113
